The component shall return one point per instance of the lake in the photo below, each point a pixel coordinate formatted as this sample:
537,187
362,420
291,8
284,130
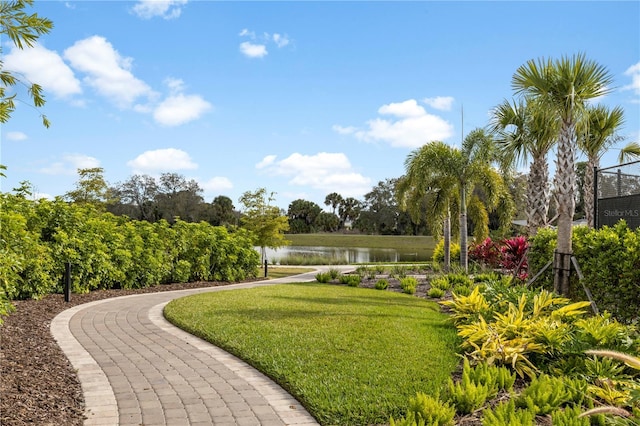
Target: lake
352,254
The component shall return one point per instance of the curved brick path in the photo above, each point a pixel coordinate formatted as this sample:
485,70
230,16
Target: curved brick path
137,369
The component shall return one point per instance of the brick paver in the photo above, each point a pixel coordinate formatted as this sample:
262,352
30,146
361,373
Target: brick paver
135,368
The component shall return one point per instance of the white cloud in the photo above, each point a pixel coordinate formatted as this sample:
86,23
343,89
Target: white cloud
251,50
344,130
70,164
633,72
217,183
180,109
413,127
329,172
45,67
107,71
266,161
175,85
162,160
280,40
16,136
246,33
408,108
167,9
443,103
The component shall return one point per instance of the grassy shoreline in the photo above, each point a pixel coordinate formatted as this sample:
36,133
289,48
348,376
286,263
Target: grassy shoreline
356,240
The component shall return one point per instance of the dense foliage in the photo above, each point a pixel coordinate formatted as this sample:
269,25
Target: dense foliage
38,237
609,259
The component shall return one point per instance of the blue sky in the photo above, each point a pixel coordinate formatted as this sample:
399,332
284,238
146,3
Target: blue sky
302,98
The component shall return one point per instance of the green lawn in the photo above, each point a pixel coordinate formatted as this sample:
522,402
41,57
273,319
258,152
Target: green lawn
351,356
280,271
407,242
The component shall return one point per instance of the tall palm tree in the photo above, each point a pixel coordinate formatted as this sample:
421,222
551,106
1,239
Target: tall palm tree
524,129
564,86
597,134
448,177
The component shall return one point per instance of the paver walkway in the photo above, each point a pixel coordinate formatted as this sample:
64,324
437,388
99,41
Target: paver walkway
136,368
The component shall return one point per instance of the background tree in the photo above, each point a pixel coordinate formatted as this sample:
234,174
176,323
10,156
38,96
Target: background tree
223,212
348,211
597,133
327,222
302,215
137,197
564,86
334,200
526,129
91,188
265,221
380,212
23,30
179,197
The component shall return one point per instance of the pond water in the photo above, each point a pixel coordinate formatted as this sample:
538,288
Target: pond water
351,254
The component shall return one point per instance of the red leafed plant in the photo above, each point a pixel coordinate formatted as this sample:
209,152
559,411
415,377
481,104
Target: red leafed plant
486,252
513,251
505,254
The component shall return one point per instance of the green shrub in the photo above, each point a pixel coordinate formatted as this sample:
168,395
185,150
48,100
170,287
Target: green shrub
441,283
334,273
544,394
459,279
494,377
505,413
609,259
428,411
382,284
323,277
352,280
569,417
462,290
379,269
438,252
435,293
399,271
466,395
408,285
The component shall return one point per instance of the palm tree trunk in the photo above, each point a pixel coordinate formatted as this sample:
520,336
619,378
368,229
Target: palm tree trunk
565,181
447,241
537,195
589,195
464,263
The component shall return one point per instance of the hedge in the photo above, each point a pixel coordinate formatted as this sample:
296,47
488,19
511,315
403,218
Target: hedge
609,259
107,251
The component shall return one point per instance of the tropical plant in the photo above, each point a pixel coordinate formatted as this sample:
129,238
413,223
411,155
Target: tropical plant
629,152
525,129
597,133
447,177
564,86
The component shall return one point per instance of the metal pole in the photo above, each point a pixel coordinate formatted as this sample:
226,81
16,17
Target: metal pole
265,268
595,197
619,183
67,281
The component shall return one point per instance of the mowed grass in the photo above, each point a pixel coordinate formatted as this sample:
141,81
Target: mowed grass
406,242
279,271
351,356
